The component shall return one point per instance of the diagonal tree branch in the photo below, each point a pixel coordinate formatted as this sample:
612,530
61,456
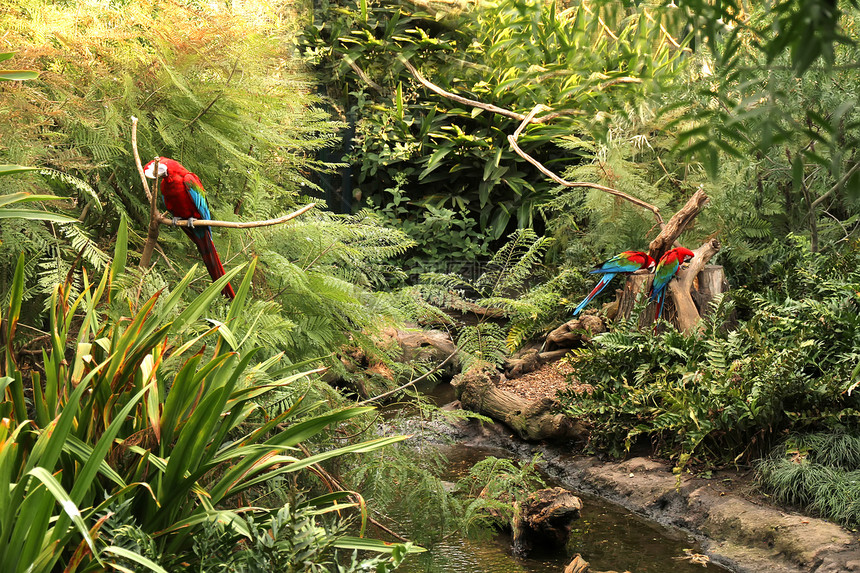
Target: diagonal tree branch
512,139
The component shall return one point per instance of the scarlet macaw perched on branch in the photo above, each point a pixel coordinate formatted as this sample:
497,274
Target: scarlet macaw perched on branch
626,262
669,264
185,198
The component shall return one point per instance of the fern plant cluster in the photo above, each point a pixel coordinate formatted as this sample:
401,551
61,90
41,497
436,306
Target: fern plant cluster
728,393
217,91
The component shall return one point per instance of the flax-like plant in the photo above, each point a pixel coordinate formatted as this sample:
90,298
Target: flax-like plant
113,424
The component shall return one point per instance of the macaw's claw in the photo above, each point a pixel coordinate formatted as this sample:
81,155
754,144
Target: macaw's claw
175,221
191,222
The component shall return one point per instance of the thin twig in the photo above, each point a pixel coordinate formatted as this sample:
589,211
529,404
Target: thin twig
363,76
137,158
411,382
512,139
835,188
217,96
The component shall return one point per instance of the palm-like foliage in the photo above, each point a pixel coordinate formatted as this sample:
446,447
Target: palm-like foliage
115,423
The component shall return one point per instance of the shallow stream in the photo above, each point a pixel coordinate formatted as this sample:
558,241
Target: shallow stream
608,536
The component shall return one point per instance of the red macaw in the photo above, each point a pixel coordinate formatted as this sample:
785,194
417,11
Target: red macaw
625,262
669,264
185,198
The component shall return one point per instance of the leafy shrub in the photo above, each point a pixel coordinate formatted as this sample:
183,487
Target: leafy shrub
125,413
422,150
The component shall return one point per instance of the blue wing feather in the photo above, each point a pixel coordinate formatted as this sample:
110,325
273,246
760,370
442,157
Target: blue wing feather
198,196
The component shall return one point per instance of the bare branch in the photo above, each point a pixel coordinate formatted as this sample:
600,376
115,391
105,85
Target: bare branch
527,119
238,224
512,139
459,99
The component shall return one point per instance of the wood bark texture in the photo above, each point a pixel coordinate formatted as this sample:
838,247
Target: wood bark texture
576,331
544,520
677,224
477,390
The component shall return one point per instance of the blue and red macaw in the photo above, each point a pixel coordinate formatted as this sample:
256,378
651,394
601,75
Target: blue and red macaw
626,262
185,198
669,264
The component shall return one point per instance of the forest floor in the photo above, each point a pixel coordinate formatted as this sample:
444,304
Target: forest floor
544,381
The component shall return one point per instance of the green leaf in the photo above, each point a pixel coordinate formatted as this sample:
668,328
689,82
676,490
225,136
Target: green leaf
32,215
132,556
18,75
71,510
375,545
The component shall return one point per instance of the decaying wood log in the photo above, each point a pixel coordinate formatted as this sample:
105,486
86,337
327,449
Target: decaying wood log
577,565
429,346
415,345
545,519
710,283
576,331
687,317
531,419
637,284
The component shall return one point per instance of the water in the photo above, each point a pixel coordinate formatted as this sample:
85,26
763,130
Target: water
608,536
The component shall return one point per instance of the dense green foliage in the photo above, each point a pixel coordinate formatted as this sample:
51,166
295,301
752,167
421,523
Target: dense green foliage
141,411
727,393
817,472
426,160
131,427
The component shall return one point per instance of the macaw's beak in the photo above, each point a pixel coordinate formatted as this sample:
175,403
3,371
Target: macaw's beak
149,170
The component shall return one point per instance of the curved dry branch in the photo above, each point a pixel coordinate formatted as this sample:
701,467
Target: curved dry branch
525,120
237,224
512,139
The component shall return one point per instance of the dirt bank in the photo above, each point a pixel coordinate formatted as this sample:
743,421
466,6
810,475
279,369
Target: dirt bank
738,530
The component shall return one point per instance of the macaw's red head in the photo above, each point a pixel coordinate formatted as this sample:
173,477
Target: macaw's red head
684,255
166,166
649,263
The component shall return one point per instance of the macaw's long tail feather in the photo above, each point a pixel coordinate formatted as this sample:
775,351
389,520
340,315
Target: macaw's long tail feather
210,258
661,298
601,284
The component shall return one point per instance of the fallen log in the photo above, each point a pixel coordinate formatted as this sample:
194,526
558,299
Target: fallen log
529,361
544,519
531,419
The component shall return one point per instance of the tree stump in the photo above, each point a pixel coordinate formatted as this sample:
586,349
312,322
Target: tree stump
531,419
544,518
688,295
